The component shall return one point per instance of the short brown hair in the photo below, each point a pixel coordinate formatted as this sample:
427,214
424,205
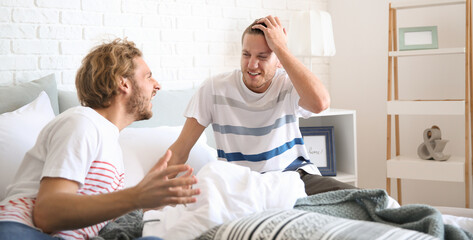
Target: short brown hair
250,30
98,77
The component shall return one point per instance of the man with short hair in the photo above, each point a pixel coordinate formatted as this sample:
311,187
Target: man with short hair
254,110
71,183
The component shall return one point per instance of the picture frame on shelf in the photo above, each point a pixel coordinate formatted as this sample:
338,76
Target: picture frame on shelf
418,38
319,142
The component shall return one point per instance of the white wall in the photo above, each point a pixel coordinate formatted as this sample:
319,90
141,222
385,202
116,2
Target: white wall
183,41
359,81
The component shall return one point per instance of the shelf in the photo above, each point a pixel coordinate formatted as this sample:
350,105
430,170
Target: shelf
440,107
452,170
334,112
441,51
344,123
424,3
345,177
456,169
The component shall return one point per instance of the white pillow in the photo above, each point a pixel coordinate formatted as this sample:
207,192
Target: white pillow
143,147
18,132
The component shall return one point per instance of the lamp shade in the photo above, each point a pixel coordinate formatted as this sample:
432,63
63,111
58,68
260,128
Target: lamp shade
310,34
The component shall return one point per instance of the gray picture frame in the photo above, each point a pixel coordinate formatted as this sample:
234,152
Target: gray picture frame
418,38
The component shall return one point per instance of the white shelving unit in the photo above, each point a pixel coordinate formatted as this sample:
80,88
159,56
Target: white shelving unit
344,123
445,107
456,168
423,3
409,167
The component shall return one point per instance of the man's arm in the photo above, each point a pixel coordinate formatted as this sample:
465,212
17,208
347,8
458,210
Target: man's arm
313,94
59,207
182,146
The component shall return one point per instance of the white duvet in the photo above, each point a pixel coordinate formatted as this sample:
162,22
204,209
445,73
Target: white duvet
228,192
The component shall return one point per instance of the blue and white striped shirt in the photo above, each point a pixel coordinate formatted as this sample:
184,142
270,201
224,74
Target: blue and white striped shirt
257,130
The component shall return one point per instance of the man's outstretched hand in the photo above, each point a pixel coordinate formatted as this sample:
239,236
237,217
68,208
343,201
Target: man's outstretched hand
158,188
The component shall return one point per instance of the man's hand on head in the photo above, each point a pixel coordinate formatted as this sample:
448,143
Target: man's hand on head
274,33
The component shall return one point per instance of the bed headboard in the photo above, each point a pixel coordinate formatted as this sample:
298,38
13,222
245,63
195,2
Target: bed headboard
168,105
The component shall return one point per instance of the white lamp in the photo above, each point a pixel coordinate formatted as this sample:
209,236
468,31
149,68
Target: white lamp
310,34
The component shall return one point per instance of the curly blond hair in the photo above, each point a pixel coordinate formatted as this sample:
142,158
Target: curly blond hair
98,77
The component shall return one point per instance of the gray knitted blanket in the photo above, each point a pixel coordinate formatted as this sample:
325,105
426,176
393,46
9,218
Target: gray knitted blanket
370,205
126,227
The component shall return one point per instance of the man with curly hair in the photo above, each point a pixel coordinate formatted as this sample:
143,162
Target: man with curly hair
71,183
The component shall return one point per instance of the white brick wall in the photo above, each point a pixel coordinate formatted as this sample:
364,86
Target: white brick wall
4,47
183,41
43,47
59,32
18,63
5,14
61,4
28,15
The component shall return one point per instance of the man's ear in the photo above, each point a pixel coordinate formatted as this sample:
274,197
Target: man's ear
124,84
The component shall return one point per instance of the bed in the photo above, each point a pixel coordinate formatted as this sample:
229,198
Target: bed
240,205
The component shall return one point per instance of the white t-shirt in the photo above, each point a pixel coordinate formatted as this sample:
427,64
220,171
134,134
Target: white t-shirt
78,145
257,130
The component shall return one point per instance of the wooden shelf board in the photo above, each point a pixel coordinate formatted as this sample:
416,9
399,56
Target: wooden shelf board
408,167
435,107
440,51
424,3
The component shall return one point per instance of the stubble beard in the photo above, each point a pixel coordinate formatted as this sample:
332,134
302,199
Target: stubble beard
265,83
138,104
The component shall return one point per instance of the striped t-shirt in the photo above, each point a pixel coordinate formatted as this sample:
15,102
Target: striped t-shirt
79,145
257,130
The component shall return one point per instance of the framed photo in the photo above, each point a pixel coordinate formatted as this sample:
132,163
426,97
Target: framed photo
417,38
319,142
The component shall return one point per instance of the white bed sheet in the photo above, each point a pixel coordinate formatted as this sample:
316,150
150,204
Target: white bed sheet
461,222
228,192
460,217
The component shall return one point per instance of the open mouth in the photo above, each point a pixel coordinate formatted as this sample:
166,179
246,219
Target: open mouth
254,74
153,95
